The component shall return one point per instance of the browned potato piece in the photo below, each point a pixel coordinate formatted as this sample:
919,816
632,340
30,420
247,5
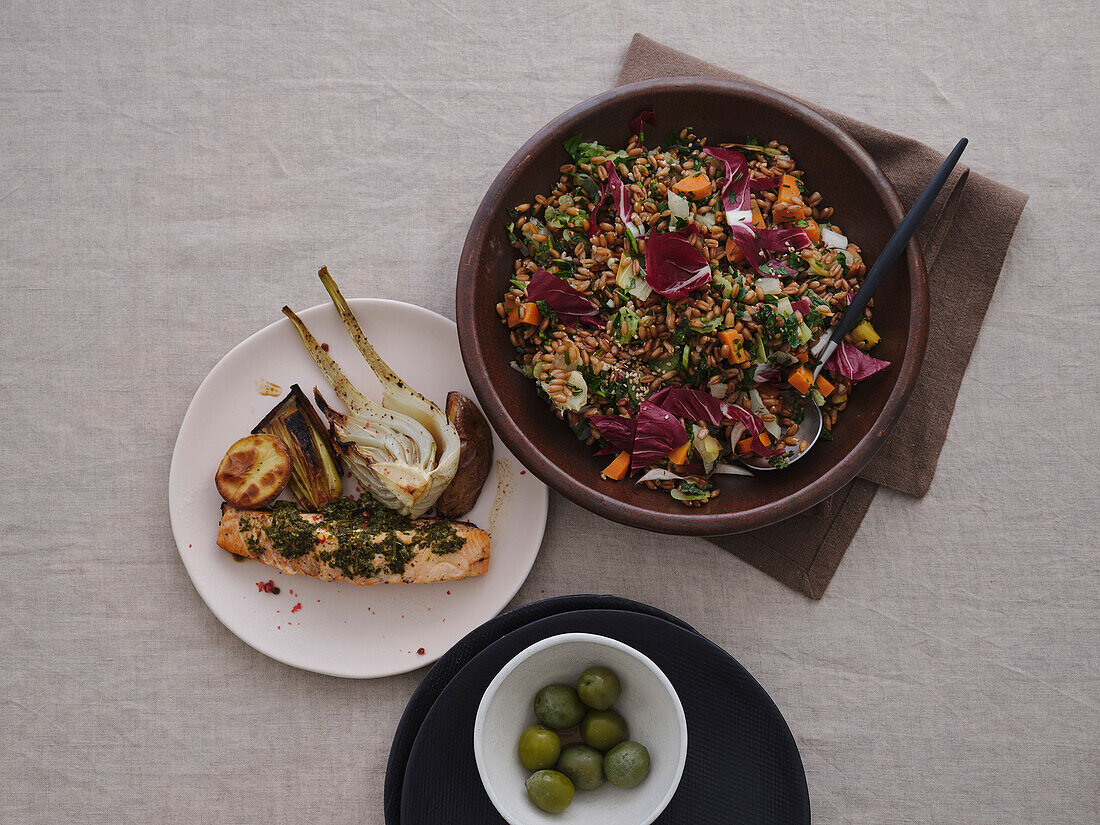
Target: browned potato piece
474,459
254,471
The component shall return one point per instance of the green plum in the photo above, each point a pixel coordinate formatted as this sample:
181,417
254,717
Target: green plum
550,791
558,707
626,764
599,688
539,748
583,765
603,729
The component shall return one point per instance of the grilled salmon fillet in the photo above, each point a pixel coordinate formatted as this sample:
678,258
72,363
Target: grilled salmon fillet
243,533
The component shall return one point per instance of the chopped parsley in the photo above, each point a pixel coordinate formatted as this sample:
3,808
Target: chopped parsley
547,311
582,152
767,320
673,142
791,331
691,491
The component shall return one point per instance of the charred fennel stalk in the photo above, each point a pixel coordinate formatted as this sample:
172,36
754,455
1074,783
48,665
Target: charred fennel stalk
404,452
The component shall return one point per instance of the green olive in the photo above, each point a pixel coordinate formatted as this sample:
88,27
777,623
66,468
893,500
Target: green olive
599,688
558,707
539,748
551,791
603,729
583,765
626,764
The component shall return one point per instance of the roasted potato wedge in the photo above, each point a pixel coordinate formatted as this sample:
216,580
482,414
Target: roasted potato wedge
474,459
254,471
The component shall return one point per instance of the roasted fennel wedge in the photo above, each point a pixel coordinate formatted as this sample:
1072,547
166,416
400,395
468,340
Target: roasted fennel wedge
315,470
403,451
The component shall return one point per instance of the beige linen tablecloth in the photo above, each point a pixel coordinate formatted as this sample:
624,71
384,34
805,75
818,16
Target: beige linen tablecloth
169,173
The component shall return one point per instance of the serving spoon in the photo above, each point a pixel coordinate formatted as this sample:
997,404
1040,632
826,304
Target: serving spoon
809,429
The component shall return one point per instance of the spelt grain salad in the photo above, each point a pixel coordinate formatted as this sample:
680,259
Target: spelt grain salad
666,298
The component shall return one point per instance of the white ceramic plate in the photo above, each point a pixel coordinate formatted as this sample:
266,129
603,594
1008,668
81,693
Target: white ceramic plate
341,629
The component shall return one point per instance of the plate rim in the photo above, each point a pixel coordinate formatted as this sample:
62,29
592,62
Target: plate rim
173,470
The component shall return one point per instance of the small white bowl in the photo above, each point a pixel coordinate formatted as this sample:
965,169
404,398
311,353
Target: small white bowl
649,703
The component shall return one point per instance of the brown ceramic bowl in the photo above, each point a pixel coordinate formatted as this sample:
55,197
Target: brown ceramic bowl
868,210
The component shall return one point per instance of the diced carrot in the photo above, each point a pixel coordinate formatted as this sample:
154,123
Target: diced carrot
616,470
531,314
789,193
812,230
823,386
732,340
680,454
528,313
733,251
802,355
801,380
745,444
758,219
694,186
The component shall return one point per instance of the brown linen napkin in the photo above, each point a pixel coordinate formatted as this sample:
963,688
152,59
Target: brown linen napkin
965,235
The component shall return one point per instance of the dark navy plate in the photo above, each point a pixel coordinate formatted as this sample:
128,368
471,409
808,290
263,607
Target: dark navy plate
458,656
742,765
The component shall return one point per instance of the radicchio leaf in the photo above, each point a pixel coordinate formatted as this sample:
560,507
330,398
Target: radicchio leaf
754,242
697,405
854,363
776,268
802,305
782,240
673,266
661,474
593,223
760,184
620,198
639,121
767,372
735,185
694,405
572,307
657,433
755,425
616,431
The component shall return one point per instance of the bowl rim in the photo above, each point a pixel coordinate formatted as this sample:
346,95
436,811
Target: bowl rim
690,522
555,641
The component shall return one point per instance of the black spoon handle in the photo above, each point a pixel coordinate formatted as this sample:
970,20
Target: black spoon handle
896,244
